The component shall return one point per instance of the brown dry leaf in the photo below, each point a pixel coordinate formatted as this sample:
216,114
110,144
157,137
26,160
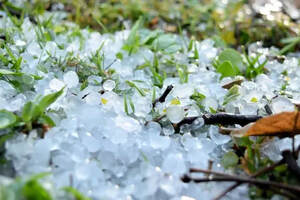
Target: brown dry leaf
282,124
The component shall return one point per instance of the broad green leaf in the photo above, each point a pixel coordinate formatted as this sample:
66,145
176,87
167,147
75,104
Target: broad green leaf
49,99
7,119
28,111
243,141
227,69
234,57
232,94
77,195
33,190
167,43
150,37
230,159
45,119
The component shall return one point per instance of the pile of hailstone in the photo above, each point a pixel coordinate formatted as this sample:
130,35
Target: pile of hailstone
109,150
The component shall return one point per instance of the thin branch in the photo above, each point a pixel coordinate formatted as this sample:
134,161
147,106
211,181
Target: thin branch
205,171
268,109
289,158
187,120
162,98
258,173
229,119
291,196
253,181
220,118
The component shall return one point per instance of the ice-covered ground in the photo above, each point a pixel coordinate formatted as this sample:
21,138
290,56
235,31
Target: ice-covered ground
101,146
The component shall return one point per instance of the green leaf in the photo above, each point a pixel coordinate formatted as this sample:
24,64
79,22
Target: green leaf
191,44
243,141
150,37
33,190
45,119
27,111
132,43
131,84
5,137
212,110
196,53
131,104
125,105
234,57
7,119
27,79
167,43
8,72
49,99
197,96
230,159
291,43
227,69
119,55
77,195
232,94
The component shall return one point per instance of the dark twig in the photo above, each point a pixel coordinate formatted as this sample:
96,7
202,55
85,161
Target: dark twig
205,171
230,178
162,98
187,120
291,196
229,119
258,173
268,109
289,158
220,118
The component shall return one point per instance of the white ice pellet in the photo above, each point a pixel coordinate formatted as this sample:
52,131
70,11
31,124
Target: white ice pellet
56,84
175,113
217,137
71,79
281,104
174,164
109,85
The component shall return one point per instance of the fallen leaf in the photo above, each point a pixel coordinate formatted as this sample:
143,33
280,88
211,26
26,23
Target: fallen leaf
232,83
282,124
